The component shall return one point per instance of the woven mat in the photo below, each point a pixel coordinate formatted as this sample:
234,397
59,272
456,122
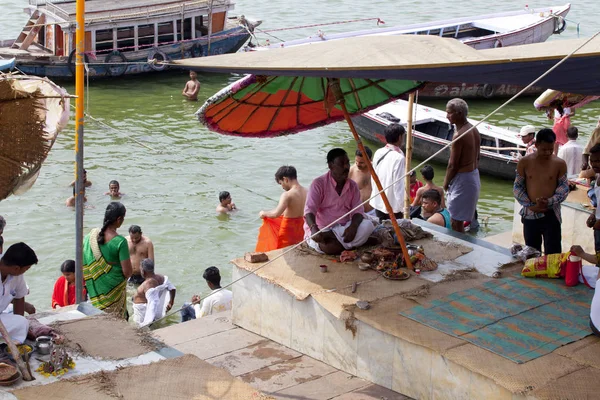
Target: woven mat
181,378
518,318
580,385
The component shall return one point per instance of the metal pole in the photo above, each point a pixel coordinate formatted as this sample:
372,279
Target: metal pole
79,183
409,148
210,17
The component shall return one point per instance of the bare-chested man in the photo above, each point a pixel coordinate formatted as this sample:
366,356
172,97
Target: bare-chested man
290,209
359,173
192,87
462,175
140,247
540,187
141,297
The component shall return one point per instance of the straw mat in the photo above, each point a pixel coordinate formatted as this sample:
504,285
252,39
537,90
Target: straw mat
29,125
186,377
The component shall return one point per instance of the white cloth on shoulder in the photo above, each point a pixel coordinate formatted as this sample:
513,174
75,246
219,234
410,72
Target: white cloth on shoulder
16,325
363,232
155,306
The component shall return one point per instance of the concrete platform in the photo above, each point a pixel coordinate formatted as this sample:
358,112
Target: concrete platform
387,349
272,368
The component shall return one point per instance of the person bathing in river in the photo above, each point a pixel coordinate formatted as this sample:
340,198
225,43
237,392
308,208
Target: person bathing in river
114,190
64,287
360,174
462,175
330,197
70,202
225,203
284,225
151,296
86,183
540,187
192,87
140,247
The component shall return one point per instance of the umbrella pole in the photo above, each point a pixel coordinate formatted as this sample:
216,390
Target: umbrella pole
409,149
379,187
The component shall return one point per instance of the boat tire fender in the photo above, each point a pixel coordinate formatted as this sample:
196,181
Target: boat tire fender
158,55
488,91
559,25
71,61
197,50
115,70
498,43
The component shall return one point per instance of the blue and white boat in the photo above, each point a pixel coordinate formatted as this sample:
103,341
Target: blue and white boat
123,37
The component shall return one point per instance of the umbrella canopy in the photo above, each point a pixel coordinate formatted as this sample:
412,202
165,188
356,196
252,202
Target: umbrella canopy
32,113
268,106
422,58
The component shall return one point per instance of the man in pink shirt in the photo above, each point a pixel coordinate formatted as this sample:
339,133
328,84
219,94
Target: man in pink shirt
330,197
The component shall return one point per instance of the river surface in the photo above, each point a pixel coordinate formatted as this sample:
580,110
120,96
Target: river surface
172,182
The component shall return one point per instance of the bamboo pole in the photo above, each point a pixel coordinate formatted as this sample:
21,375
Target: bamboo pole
210,18
79,120
335,87
16,355
409,149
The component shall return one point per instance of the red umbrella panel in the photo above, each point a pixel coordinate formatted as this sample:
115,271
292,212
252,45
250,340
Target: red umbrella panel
270,106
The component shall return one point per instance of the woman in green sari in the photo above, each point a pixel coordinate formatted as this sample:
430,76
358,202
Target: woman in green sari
106,263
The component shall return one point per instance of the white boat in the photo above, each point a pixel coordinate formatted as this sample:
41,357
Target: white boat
432,131
512,28
122,37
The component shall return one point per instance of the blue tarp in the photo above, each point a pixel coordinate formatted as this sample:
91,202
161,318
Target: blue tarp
7,64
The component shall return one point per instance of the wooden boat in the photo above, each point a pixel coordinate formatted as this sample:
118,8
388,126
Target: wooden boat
432,131
123,37
511,28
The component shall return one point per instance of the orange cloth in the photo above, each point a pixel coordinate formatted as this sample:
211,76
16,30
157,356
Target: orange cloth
276,233
64,294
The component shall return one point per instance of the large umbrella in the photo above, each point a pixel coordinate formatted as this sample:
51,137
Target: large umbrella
269,106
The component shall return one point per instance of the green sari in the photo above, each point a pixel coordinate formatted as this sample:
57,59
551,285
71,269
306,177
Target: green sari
104,280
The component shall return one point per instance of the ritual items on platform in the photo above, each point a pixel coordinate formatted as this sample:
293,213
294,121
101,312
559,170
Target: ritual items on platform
396,274
348,255
548,266
60,362
524,253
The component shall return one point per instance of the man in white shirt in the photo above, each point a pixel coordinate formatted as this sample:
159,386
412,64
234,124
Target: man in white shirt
17,259
572,152
389,163
218,300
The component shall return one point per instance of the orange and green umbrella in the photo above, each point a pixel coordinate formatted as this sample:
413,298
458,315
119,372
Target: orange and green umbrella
269,106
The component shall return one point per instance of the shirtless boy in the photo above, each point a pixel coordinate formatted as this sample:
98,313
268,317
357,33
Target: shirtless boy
140,248
114,190
462,175
85,180
359,173
540,187
225,203
427,173
192,87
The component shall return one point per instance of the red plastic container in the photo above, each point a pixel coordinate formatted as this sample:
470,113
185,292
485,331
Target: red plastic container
572,271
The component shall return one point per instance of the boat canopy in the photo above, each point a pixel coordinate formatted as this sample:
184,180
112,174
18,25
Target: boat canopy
422,58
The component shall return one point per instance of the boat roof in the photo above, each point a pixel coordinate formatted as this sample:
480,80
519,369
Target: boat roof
105,10
501,22
423,114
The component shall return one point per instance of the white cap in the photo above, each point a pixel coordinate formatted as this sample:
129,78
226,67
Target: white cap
526,130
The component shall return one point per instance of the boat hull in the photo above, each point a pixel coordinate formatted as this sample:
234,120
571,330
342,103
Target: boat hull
135,62
425,145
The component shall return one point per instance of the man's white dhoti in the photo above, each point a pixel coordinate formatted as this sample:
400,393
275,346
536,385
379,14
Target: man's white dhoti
155,308
16,325
363,232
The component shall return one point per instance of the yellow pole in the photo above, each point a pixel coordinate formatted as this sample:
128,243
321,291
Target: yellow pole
79,183
409,148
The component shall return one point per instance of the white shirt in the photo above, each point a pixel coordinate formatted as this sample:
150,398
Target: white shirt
572,153
214,303
14,287
595,308
391,168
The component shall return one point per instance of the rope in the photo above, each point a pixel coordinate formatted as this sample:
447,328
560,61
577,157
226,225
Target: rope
379,21
401,178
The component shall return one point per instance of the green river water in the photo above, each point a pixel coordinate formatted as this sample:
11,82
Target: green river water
172,186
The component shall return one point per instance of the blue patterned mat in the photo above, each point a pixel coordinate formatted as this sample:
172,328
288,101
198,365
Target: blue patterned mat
518,318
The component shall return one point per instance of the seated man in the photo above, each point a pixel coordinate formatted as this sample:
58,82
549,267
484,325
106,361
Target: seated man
14,263
431,203
330,197
149,300
218,300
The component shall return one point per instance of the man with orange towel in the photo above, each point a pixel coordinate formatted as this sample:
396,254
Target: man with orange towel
283,226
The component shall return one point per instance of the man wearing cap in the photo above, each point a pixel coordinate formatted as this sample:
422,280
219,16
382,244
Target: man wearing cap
527,135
